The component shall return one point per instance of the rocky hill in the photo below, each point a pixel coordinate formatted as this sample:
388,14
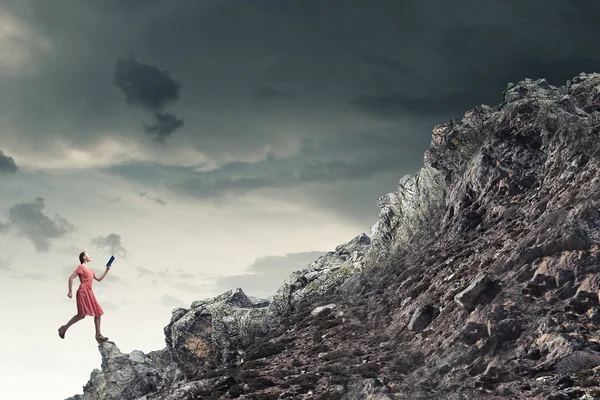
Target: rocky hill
478,280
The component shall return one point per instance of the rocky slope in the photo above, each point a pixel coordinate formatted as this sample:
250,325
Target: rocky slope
479,280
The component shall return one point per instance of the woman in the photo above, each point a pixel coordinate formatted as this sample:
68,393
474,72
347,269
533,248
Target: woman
86,301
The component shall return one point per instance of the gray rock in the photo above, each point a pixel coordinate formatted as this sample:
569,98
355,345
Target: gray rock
369,388
421,318
404,212
323,276
215,331
121,376
577,361
321,308
469,297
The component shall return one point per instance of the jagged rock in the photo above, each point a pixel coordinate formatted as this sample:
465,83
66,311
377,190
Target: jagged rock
469,297
121,376
215,330
367,389
577,361
168,369
421,318
404,212
323,276
199,389
321,308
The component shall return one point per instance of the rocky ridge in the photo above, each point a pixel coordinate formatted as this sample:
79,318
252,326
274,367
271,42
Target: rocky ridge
478,280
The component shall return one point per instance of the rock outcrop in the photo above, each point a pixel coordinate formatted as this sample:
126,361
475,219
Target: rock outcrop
478,280
128,376
215,330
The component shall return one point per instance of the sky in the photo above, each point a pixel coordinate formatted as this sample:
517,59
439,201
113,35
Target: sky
216,144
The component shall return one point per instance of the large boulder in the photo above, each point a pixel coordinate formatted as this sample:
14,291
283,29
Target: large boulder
404,211
322,277
215,330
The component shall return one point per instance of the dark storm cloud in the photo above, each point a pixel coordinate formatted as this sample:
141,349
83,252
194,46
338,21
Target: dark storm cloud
266,274
157,200
210,186
110,243
386,63
165,125
145,86
419,61
395,104
7,164
484,58
152,89
29,220
270,93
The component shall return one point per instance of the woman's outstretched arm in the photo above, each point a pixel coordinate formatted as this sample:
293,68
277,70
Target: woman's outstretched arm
99,278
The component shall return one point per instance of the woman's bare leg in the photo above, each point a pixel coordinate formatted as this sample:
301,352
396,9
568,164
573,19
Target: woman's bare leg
97,320
73,320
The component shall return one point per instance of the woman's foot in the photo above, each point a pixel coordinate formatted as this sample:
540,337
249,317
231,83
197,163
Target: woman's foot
61,332
101,339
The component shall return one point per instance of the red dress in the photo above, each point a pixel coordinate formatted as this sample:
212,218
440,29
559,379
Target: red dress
86,301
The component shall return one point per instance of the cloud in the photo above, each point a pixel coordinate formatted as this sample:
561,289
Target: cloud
270,93
188,287
383,62
108,306
29,220
4,264
20,43
266,274
170,301
4,227
144,85
154,199
111,244
144,272
180,280
109,199
21,276
7,164
331,64
165,125
150,88
7,270
34,276
214,184
395,104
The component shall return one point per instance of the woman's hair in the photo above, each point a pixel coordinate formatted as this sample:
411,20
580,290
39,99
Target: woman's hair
81,255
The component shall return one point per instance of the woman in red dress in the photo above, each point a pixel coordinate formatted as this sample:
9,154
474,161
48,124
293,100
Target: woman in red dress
86,301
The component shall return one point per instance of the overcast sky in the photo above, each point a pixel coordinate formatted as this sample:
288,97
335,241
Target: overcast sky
213,144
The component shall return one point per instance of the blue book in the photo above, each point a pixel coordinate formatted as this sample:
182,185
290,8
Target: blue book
112,258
